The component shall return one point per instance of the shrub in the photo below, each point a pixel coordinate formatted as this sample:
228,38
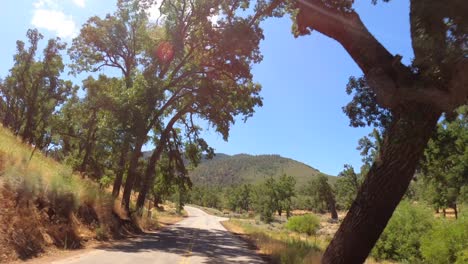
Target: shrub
447,242
307,224
400,240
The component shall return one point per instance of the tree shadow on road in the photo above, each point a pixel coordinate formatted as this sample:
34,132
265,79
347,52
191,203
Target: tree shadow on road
213,246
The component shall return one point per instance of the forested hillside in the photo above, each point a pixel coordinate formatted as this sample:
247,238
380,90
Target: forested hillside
225,170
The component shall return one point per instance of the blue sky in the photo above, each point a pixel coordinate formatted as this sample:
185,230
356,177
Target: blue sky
303,79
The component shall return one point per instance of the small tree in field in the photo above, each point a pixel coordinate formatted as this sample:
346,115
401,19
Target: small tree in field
322,193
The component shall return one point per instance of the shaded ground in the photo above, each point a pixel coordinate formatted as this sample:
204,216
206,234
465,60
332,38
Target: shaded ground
200,238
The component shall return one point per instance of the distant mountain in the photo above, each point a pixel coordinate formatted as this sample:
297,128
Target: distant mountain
228,170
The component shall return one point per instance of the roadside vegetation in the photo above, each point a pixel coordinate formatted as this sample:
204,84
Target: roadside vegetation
278,244
45,204
415,234
429,225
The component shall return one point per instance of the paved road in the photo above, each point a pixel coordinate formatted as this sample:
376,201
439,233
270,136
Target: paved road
200,238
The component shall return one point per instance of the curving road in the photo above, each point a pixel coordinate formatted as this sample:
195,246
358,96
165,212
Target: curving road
200,238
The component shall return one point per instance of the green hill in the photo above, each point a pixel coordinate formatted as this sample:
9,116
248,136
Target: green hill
225,170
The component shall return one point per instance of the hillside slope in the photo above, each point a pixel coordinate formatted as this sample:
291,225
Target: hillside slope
227,170
44,204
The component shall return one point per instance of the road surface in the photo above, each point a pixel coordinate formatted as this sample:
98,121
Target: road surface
199,238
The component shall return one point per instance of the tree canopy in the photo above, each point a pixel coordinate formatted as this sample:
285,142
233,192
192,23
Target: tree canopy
445,163
34,89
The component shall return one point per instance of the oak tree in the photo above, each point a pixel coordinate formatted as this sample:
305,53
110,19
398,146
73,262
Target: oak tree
34,89
416,95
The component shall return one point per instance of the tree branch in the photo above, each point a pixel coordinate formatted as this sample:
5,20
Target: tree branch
392,82
265,12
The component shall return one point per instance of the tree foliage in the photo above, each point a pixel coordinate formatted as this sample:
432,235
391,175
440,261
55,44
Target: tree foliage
445,163
401,239
363,109
274,195
178,70
446,242
347,186
322,194
239,198
33,90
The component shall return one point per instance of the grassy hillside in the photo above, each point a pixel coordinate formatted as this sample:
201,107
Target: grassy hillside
43,204
228,170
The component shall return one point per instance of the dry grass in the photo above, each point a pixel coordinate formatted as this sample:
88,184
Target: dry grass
281,247
45,205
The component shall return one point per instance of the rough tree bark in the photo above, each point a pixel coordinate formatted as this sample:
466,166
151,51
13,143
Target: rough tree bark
120,172
148,178
131,175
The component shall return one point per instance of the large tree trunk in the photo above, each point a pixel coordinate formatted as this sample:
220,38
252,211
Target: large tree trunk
385,184
28,135
90,139
131,174
148,178
332,207
120,172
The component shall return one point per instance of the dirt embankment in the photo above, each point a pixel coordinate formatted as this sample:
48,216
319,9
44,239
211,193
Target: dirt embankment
60,212
31,227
